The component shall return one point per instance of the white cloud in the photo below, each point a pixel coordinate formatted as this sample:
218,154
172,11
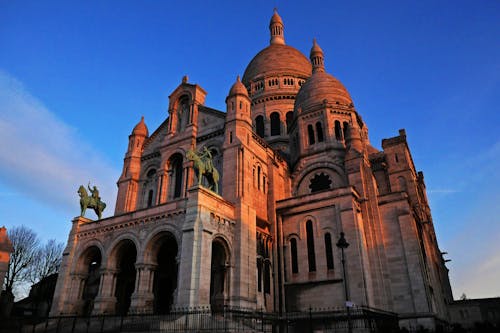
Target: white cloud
43,157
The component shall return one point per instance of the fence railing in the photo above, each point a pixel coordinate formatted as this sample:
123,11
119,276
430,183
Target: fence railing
360,319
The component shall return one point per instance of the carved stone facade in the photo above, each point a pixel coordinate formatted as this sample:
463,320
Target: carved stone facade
297,168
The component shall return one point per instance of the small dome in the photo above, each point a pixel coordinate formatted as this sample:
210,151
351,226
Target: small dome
277,59
321,86
238,88
141,128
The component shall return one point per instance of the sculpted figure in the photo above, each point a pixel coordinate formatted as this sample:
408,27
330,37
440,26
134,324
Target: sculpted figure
93,201
204,167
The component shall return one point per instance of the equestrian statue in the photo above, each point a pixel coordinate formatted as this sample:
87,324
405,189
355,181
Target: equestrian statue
204,167
93,201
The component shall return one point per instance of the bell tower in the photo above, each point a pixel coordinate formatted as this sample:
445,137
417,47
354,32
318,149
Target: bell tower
129,180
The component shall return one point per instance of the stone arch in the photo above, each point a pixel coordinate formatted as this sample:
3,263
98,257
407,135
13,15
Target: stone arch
302,180
219,273
275,119
319,179
175,170
149,180
122,260
89,268
161,253
77,265
259,125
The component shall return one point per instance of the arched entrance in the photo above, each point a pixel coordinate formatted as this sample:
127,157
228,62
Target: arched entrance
91,264
219,276
126,255
165,276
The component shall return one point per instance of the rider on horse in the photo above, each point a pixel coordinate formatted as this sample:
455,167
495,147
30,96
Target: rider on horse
95,193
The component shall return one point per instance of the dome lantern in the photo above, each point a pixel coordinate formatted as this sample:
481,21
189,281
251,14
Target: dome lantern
276,28
317,58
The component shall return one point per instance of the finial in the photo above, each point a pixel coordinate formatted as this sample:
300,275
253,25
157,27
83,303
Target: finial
142,118
185,79
275,10
238,78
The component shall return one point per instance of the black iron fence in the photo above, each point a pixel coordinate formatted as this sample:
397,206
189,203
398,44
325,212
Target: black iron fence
198,320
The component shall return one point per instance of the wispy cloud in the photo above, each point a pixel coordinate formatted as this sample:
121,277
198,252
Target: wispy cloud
43,157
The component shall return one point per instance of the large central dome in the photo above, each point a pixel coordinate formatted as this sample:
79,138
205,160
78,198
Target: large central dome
277,58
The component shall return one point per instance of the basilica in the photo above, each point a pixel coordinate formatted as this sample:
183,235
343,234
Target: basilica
244,207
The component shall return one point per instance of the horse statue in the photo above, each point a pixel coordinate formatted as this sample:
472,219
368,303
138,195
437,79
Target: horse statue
93,201
204,167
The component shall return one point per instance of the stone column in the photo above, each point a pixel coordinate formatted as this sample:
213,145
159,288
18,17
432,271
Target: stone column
74,303
143,297
105,300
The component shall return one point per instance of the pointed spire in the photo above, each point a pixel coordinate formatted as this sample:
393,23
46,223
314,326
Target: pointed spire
238,88
141,128
276,28
317,57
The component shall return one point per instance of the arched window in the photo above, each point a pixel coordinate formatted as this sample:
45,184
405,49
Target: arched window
310,133
346,129
329,251
259,126
275,124
182,114
149,189
338,131
319,130
176,171
289,119
293,254
311,257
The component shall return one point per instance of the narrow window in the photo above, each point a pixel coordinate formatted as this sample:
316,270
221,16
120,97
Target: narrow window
259,126
241,105
275,124
310,132
267,278
338,131
259,275
396,158
346,129
150,198
319,130
310,247
264,184
293,253
329,251
289,119
258,177
177,175
230,137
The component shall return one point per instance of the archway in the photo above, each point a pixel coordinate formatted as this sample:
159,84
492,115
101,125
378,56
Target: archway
218,276
91,265
165,276
125,278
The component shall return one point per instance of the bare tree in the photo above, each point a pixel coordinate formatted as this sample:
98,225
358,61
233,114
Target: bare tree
25,244
48,259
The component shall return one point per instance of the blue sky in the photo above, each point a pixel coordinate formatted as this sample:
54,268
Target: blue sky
75,77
